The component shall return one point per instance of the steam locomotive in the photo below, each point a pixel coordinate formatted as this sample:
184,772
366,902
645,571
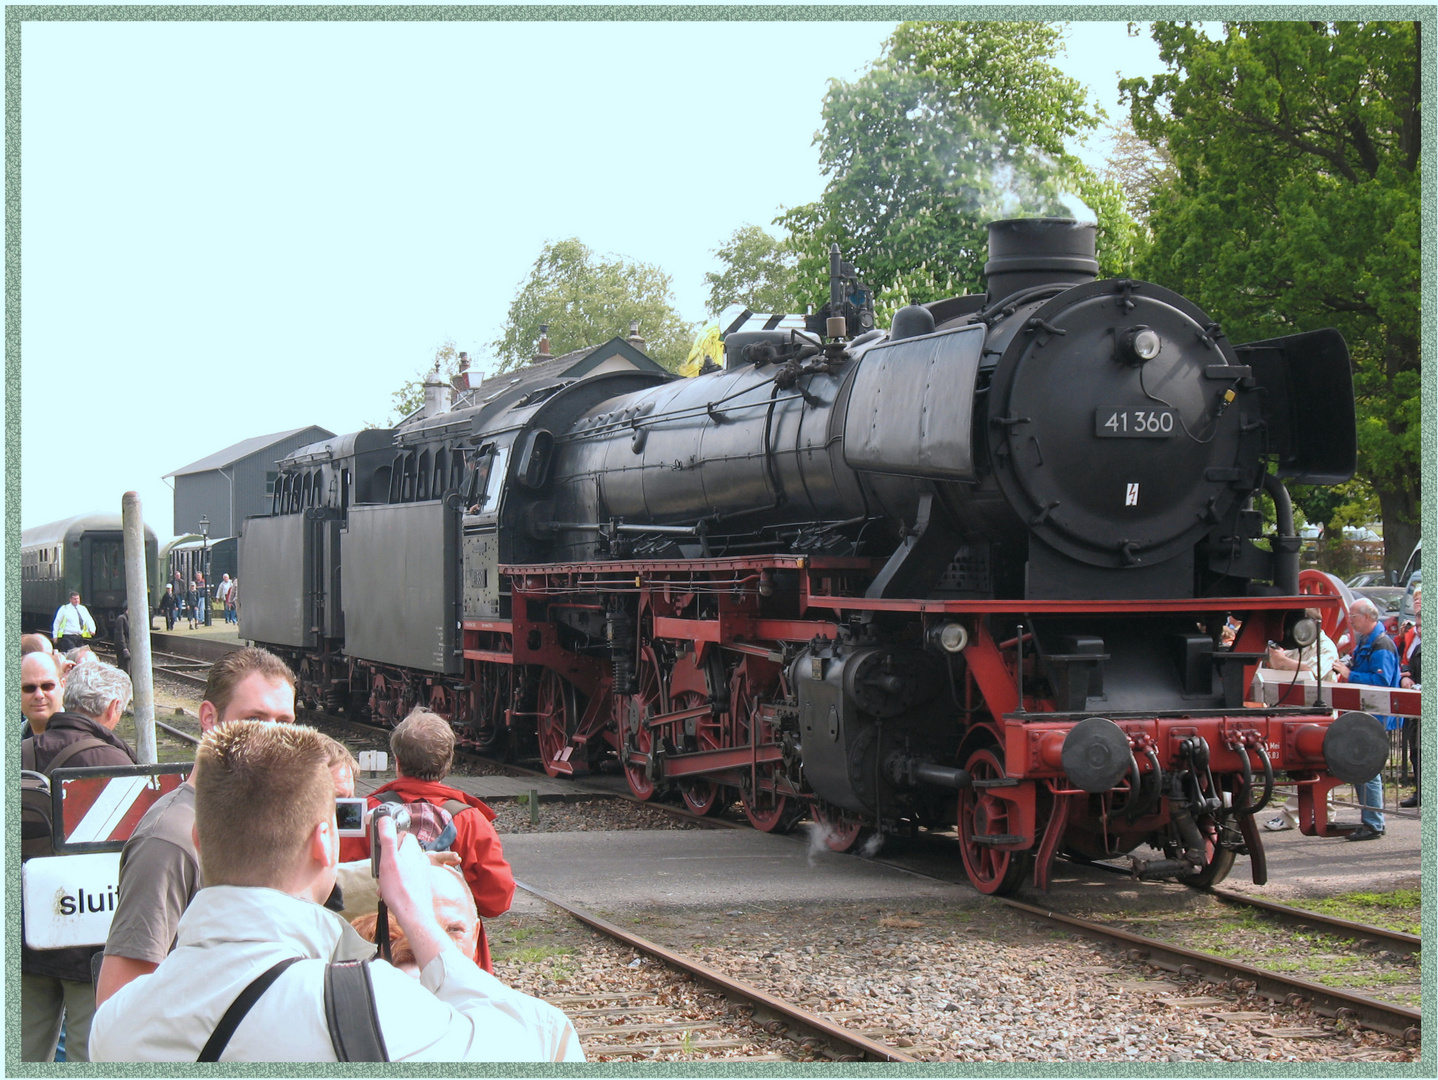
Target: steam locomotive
971,571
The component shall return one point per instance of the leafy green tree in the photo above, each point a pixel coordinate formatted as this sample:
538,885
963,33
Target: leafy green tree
410,396
758,273
587,299
1295,204
956,124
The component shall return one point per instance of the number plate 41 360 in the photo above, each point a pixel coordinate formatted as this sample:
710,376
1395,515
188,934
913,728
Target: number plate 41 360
1114,423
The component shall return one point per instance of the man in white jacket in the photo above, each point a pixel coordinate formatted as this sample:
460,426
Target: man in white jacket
266,832
73,624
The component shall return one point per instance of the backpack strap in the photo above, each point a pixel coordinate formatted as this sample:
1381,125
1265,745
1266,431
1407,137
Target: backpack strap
29,757
455,807
79,746
351,1014
239,1007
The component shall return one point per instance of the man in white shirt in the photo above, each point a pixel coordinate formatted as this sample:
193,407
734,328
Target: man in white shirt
1316,659
73,624
222,594
269,847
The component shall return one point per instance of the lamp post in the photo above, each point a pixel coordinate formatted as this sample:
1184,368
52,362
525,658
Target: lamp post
205,562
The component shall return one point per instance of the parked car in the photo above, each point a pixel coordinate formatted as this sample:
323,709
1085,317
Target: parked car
1413,577
1367,579
1406,613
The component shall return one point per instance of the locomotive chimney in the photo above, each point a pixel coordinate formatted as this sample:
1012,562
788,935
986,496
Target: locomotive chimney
1024,252
543,353
634,338
434,388
460,382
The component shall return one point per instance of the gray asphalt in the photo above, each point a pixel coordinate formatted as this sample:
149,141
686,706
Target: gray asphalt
628,870
637,870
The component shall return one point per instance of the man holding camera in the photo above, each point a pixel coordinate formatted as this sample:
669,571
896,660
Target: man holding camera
269,848
423,748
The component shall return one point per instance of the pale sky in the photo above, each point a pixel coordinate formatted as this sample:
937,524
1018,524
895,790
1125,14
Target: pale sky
231,229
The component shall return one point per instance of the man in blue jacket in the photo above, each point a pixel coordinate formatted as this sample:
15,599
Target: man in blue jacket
1374,661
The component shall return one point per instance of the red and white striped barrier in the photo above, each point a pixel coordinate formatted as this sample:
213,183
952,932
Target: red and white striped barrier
1274,687
101,811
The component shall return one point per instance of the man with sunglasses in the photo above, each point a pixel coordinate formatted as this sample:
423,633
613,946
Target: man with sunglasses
41,687
55,984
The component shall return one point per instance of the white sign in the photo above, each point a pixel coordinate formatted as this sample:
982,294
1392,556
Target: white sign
69,899
373,761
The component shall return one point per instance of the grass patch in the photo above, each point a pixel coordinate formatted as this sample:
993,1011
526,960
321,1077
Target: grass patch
532,954
1401,909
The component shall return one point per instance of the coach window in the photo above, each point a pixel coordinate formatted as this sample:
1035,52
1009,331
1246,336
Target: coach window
441,466
421,486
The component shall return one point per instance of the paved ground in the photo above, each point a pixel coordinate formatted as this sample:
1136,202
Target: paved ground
618,871
634,870
1301,865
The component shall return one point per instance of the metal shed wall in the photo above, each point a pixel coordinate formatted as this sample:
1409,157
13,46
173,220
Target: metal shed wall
231,493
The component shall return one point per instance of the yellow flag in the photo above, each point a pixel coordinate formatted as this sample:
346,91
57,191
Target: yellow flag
707,344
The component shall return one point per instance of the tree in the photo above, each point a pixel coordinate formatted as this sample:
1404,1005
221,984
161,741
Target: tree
759,273
410,396
1137,167
1295,204
956,124
585,300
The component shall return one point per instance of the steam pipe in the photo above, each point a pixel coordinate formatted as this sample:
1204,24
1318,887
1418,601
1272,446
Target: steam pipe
1285,541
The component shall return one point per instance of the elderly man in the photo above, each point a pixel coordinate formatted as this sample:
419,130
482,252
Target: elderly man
41,686
1374,661
1316,659
55,984
423,748
73,624
266,831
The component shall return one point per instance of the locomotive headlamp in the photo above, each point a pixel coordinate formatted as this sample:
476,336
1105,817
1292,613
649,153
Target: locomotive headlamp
1305,633
1138,344
951,637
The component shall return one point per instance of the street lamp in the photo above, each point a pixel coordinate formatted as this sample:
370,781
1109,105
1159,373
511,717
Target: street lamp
205,561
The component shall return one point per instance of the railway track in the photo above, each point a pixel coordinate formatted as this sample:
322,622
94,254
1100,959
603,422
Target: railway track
811,1031
187,669
1352,1008
1328,924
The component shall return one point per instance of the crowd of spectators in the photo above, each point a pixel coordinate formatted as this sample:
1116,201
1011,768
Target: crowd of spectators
237,874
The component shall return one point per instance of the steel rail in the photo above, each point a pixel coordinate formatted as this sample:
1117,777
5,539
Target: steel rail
1378,1015
1344,927
807,1022
1396,938
184,736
